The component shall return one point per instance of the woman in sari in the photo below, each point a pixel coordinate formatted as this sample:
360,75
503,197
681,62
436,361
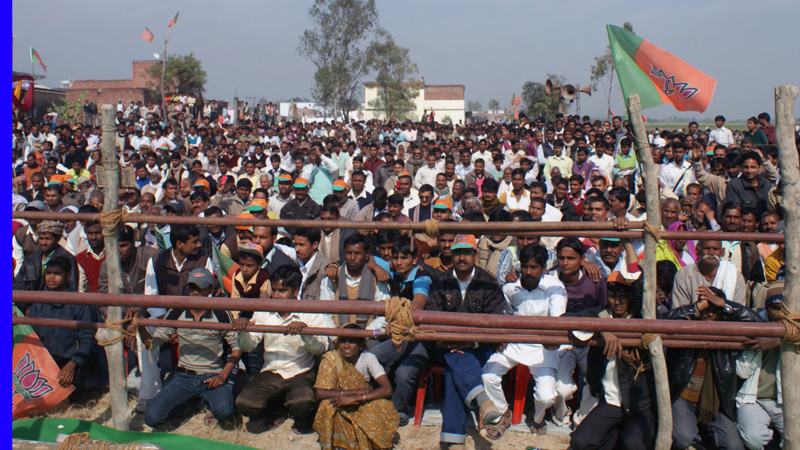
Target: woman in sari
677,251
352,415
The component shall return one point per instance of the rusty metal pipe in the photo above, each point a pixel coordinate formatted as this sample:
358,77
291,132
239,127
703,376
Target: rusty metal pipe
437,337
564,333
565,229
420,317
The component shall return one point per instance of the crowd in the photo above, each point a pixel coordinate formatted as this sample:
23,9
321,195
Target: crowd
355,393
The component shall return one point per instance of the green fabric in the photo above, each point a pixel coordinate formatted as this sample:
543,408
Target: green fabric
767,379
20,331
46,430
632,79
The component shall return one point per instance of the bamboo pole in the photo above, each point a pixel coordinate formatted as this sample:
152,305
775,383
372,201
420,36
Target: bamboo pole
653,206
790,185
117,378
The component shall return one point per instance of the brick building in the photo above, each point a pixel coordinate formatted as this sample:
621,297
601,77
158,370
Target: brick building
110,91
444,99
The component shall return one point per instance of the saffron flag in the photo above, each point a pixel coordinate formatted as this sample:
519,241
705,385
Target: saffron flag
174,20
225,269
36,58
35,377
516,100
516,114
147,35
611,112
658,76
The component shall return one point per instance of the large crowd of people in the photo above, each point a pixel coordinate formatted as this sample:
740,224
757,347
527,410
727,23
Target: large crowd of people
355,393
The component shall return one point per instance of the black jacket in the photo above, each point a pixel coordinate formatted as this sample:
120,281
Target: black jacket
66,344
208,245
483,295
743,193
293,211
635,392
681,362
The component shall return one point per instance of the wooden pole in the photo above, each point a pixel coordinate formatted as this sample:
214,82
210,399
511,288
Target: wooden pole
163,73
790,185
121,414
653,206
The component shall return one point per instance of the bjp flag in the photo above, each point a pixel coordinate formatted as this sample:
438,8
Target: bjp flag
658,76
516,100
147,35
225,269
35,375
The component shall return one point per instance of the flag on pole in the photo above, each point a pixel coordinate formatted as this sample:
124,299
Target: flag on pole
516,114
147,35
611,112
174,20
658,76
360,113
516,100
35,377
225,269
36,58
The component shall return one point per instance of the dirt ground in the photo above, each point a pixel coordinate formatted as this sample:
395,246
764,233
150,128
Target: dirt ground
283,438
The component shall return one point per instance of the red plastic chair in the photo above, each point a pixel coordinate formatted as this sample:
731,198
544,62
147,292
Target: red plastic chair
521,377
422,387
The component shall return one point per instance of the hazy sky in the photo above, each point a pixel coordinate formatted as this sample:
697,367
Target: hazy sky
492,48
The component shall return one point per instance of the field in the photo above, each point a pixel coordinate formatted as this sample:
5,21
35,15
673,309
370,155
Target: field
283,438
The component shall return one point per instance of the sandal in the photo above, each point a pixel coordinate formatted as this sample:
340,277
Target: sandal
539,429
495,430
488,413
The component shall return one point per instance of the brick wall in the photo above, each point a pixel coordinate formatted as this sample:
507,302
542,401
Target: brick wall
140,77
444,92
110,96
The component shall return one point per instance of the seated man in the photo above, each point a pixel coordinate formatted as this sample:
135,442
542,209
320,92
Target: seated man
759,402
703,383
466,289
621,379
30,276
201,373
536,293
286,382
354,281
71,349
710,270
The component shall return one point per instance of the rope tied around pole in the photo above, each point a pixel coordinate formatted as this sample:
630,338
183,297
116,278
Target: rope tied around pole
652,231
117,326
432,228
647,339
398,317
112,219
790,321
82,441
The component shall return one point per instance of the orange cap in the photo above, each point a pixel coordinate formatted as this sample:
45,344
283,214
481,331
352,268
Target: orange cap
464,241
339,185
300,183
202,182
246,215
616,277
257,204
442,203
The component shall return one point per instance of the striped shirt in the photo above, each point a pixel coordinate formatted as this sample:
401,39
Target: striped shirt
200,350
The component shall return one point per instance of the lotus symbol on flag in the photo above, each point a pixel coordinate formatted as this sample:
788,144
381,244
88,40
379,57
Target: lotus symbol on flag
27,381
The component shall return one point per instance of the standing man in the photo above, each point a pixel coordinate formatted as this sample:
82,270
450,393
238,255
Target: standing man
301,207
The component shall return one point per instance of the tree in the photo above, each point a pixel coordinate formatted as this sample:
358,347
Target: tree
537,102
493,105
183,73
337,43
69,111
396,90
603,71
474,106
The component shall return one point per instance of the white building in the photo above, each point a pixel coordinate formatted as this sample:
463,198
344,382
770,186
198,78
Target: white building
443,99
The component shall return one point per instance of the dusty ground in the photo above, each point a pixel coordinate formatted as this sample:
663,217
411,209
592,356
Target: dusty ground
283,438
